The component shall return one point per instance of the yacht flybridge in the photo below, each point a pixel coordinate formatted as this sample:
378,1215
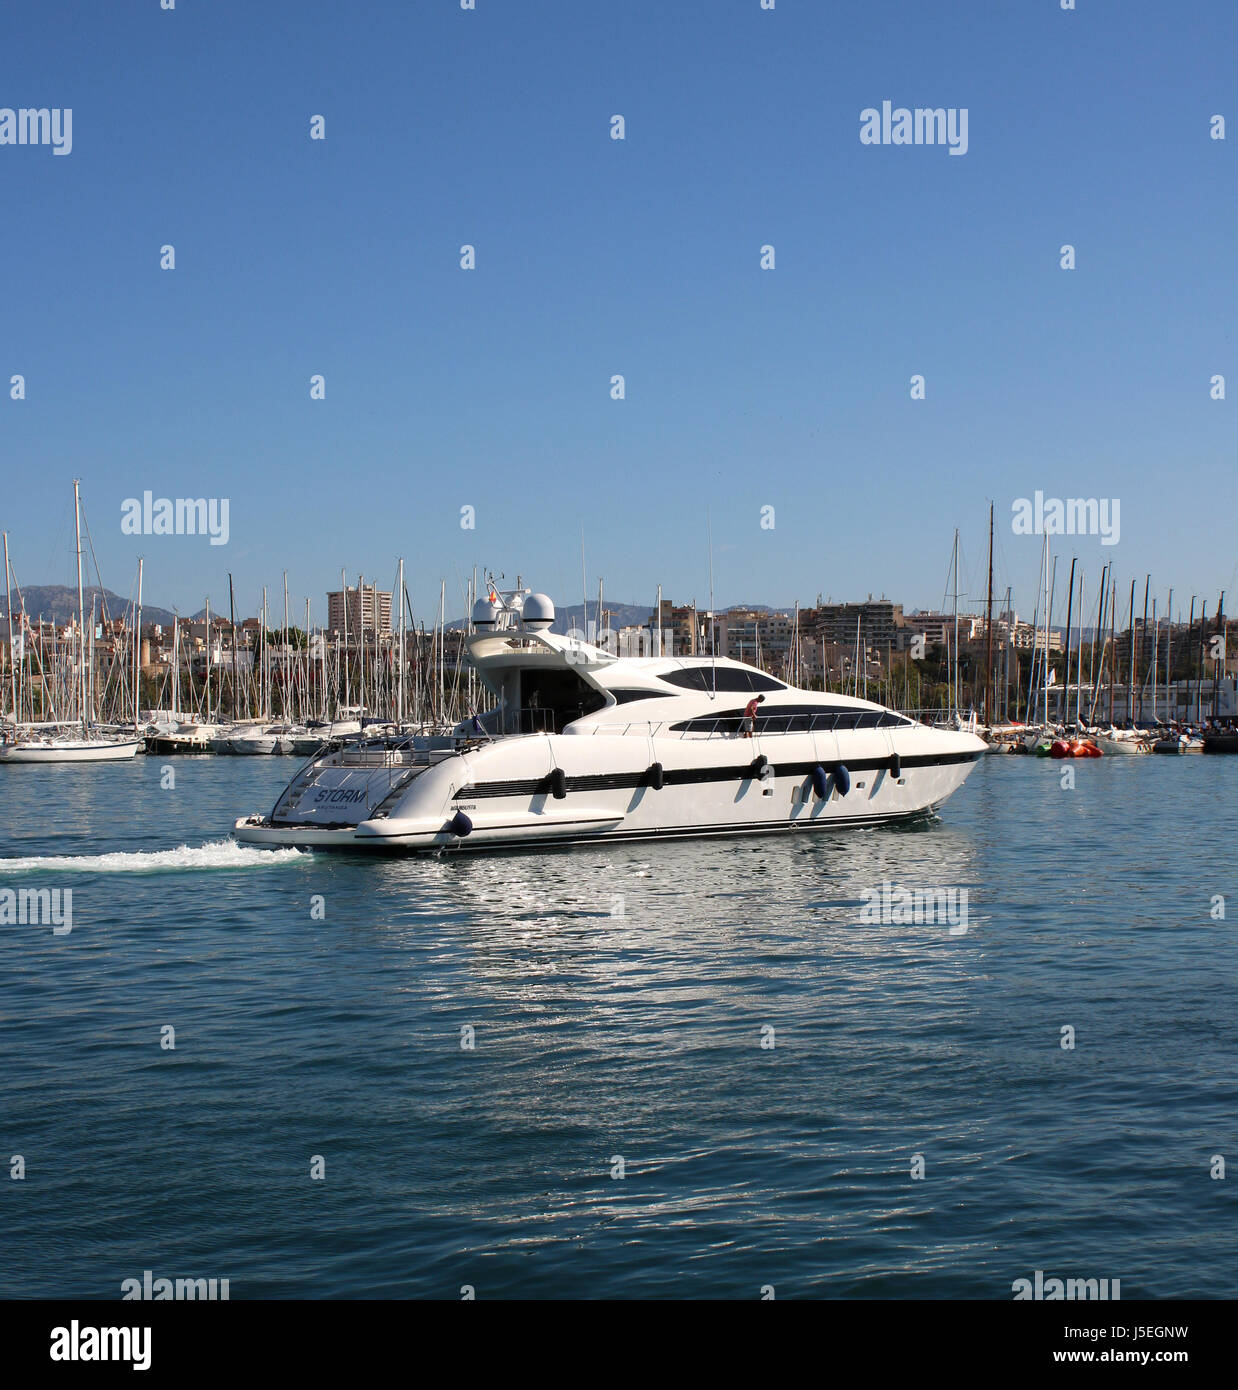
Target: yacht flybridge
582,745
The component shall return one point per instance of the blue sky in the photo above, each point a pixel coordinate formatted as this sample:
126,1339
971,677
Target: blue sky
745,388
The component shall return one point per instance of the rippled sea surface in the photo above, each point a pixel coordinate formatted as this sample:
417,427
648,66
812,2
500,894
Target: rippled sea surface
619,1000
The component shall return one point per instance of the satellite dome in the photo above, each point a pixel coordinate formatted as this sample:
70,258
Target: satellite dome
539,612
484,611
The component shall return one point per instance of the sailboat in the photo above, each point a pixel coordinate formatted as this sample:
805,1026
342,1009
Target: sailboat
79,741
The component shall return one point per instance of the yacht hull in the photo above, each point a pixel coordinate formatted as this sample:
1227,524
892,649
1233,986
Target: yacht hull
612,788
86,751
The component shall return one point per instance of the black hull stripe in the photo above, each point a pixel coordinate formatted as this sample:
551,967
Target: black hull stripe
705,831
687,777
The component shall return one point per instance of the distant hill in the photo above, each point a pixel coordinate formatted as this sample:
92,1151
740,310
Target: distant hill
617,615
58,603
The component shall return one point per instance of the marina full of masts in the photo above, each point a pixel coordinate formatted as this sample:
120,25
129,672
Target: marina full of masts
1112,667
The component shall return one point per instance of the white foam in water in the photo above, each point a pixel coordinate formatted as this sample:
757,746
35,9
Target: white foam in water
218,854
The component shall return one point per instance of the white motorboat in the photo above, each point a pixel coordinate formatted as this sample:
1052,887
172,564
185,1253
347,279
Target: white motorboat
183,736
246,736
271,738
305,744
584,746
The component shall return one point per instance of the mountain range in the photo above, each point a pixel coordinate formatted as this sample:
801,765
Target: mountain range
58,603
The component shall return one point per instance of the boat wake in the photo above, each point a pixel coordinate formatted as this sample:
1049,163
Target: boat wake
218,854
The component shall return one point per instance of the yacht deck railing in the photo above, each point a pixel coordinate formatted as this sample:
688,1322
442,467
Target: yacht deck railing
736,726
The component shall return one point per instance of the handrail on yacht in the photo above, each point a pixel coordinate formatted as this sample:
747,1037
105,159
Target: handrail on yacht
735,725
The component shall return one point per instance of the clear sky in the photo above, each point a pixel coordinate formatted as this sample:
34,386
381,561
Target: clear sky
745,388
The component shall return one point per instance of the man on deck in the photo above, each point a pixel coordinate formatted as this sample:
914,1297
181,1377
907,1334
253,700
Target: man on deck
750,715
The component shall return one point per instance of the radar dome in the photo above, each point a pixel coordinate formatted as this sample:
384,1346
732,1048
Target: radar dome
539,612
484,611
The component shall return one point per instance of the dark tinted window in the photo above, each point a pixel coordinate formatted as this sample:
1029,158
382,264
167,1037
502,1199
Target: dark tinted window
721,678
624,697
793,719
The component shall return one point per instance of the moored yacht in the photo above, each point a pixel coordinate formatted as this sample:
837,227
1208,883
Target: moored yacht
583,746
63,745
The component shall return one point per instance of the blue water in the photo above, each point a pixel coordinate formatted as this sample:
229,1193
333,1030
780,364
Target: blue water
636,1036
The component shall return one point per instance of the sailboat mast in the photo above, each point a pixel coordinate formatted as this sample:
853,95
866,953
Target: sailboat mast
284,702
954,683
400,690
1099,631
1078,661
1155,652
137,655
1070,613
344,596
305,701
8,599
361,695
81,607
442,664
1113,642
1169,645
988,634
1130,685
1050,590
1199,666
208,660
1190,628
236,684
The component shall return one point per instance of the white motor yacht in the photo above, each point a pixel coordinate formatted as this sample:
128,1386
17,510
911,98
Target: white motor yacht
584,746
266,739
